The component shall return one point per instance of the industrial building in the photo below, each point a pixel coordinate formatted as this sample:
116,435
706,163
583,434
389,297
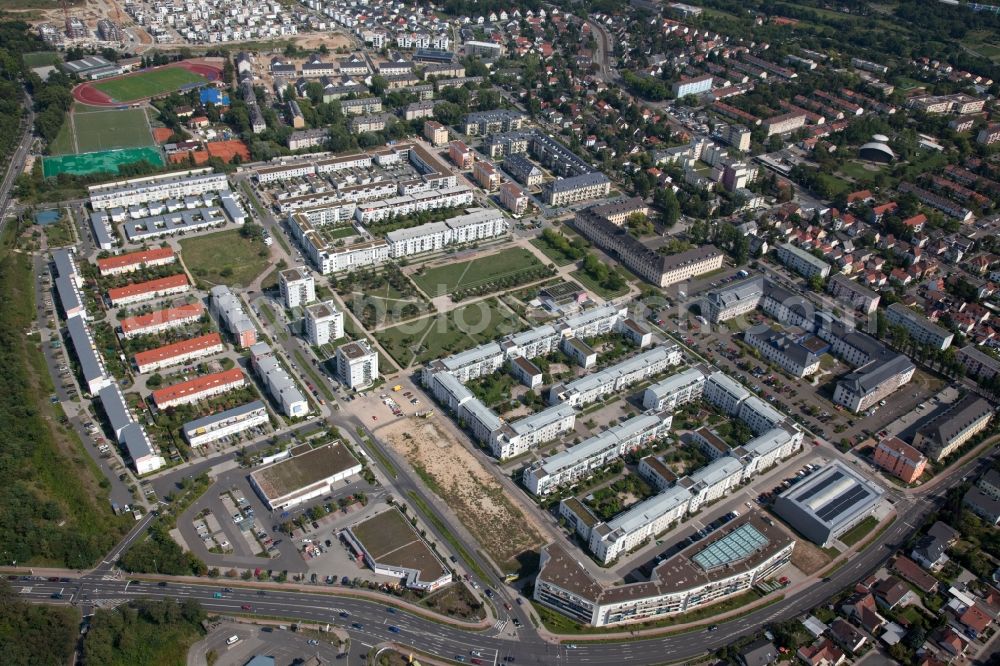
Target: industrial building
828,503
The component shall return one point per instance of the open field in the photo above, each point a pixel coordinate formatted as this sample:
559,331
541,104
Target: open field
422,340
118,128
225,257
56,511
509,536
148,84
496,268
39,58
859,531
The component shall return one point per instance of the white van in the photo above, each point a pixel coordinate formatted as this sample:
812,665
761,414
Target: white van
232,639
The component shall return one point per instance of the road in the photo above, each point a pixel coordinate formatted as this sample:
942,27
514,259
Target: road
17,160
602,54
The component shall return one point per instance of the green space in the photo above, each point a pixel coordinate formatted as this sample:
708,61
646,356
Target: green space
42,635
56,507
141,85
63,144
225,257
105,161
836,185
40,58
339,232
381,297
109,129
589,283
859,531
496,272
144,632
60,233
857,170
422,340
445,531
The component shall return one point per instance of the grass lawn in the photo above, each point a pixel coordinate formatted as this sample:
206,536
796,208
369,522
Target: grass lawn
857,170
557,257
117,128
859,531
60,233
475,272
340,232
41,59
836,185
589,283
225,257
63,143
432,337
147,84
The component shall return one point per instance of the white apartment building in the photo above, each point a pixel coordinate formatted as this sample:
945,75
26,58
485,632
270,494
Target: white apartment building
229,309
297,287
537,341
225,424
137,191
513,439
920,328
596,386
859,390
734,300
435,236
357,365
579,461
713,481
324,323
594,322
802,262
759,415
279,384
782,347
767,449
485,359
725,393
629,529
675,390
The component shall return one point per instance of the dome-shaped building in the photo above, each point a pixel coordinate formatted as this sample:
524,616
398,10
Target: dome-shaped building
877,150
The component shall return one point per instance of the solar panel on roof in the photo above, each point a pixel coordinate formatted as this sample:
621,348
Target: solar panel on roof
819,486
842,503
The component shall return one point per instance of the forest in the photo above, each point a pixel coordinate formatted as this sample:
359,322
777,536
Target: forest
35,634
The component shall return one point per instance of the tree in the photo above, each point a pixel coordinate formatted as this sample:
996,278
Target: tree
665,200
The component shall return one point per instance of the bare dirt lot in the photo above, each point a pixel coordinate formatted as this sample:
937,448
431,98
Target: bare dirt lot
332,40
507,535
807,558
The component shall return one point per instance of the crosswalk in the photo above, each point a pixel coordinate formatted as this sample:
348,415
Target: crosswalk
500,624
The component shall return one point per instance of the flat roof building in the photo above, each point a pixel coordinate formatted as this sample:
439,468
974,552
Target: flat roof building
392,547
802,262
227,423
303,476
828,503
900,459
357,365
92,369
228,307
280,385
920,328
297,286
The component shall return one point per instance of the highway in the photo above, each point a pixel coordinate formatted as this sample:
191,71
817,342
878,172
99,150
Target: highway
17,160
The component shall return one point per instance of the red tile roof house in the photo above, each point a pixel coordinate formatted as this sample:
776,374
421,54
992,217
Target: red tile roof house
864,610
824,653
914,574
975,620
950,641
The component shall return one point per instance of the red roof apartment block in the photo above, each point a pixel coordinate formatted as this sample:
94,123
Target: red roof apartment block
178,352
133,261
161,320
141,291
199,388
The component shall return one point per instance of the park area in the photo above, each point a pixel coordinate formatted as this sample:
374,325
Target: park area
141,85
482,275
226,257
422,340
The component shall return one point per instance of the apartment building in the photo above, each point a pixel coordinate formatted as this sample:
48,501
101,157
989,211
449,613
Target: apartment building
307,139
486,175
514,199
232,316
953,427
712,482
523,170
725,393
227,423
859,390
978,363
133,261
793,350
920,328
629,529
460,155
144,291
373,122
579,461
131,436
734,300
138,191
436,133
513,439
900,459
477,225
297,286
857,295
593,387
199,388
759,415
92,369
660,270
676,390
161,320
324,323
481,123
802,262
619,210
476,362
728,563
692,85
574,189
361,106
357,365
785,123
178,353
277,381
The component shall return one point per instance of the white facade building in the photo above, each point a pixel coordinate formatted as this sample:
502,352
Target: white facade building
324,323
298,287
357,364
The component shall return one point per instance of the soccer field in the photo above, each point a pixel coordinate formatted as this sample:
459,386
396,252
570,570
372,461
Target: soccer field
148,84
103,130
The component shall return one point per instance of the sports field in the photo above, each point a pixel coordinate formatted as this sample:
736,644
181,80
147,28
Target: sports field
113,128
104,161
148,84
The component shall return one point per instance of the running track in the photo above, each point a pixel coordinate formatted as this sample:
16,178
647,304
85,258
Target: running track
86,93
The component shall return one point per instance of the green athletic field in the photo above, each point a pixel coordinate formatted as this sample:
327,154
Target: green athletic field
148,84
113,128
